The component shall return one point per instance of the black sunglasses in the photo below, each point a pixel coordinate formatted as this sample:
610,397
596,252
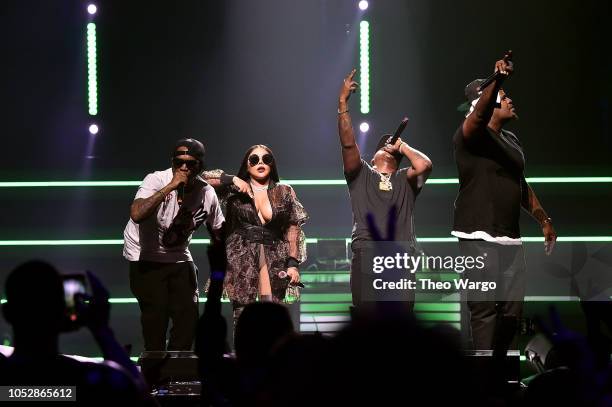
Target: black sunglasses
191,164
266,158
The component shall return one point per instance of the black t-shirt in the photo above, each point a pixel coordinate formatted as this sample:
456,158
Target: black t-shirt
490,183
366,196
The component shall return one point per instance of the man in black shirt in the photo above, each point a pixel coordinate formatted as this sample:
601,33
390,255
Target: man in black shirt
378,188
492,189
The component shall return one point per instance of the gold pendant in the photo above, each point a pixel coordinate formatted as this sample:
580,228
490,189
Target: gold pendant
385,186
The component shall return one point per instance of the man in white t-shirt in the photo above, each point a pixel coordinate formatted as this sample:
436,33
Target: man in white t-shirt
169,206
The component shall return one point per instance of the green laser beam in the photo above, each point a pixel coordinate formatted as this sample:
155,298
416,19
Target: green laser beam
304,182
101,242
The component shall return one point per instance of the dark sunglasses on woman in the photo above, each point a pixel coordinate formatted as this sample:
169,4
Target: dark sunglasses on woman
266,158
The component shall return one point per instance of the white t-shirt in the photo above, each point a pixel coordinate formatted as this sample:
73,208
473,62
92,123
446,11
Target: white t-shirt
164,236
480,235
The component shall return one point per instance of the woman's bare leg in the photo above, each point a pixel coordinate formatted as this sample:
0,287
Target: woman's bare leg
265,289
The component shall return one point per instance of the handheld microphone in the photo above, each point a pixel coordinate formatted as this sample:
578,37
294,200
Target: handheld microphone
398,132
180,193
496,75
297,284
285,276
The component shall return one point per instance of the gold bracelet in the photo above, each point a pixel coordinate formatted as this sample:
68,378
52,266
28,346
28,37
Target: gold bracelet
339,112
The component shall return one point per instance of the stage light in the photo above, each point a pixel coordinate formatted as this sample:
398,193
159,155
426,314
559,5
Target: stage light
364,127
364,66
92,75
91,9
93,129
363,5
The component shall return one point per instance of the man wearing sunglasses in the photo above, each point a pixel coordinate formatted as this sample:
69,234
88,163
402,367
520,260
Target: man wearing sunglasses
380,189
169,206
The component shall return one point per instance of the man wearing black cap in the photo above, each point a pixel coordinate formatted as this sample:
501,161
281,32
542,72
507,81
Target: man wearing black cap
492,189
378,188
169,206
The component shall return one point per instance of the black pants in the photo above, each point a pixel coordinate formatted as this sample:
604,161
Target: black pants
495,315
166,291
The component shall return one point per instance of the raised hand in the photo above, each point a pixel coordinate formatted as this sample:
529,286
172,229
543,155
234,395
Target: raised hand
348,86
550,237
395,147
505,66
97,311
243,186
179,177
294,274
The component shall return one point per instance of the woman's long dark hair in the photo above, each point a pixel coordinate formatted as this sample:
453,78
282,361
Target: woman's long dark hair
243,172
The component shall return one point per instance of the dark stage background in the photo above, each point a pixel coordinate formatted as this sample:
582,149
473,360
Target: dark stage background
237,73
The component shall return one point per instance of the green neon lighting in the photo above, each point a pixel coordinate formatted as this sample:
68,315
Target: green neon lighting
49,184
74,242
135,301
344,307
324,318
438,316
92,69
437,307
550,298
325,278
100,358
100,242
554,180
334,297
294,182
325,307
333,317
364,66
123,300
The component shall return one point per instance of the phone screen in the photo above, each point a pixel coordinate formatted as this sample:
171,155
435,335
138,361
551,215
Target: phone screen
73,284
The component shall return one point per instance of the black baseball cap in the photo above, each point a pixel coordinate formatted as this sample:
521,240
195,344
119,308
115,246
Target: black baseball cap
384,140
471,94
194,148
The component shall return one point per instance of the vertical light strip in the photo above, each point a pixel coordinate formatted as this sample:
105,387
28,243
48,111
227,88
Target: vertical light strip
364,66
92,76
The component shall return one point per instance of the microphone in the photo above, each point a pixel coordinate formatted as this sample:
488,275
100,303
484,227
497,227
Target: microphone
399,131
496,75
180,193
297,284
285,276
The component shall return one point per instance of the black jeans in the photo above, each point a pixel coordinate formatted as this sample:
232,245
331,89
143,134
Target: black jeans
495,315
166,291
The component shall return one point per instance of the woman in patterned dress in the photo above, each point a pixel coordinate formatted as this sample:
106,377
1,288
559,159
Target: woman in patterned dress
265,243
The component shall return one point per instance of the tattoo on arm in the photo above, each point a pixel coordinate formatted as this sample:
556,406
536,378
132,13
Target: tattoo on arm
142,208
533,206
